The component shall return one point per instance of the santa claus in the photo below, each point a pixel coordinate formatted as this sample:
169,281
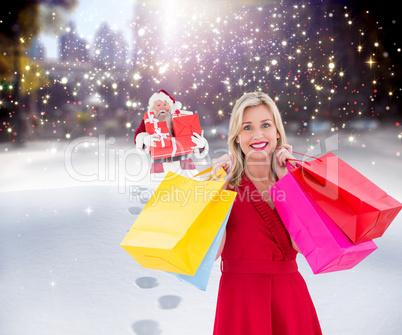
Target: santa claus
162,104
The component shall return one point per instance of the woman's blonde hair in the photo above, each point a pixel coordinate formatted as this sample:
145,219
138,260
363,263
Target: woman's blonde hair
251,99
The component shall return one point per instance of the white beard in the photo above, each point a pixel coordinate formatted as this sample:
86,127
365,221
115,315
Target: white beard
167,117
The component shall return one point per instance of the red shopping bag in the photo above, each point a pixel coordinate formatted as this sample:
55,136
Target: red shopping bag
323,244
359,207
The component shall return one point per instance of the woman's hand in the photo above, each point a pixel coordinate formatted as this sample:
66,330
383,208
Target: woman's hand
282,154
225,161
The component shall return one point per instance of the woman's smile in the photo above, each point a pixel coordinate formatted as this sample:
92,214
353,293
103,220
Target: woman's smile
259,146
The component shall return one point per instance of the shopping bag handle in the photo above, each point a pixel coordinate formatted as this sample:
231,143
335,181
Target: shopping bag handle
288,163
298,153
220,175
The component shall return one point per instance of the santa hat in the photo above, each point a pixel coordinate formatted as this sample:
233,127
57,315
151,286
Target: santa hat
165,96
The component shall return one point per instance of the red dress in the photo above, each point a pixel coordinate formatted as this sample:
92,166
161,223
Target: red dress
261,291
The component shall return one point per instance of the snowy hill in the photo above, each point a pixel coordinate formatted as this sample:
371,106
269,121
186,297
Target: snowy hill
62,270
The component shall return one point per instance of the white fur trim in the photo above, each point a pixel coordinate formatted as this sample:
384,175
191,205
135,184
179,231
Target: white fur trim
177,105
139,140
163,97
160,96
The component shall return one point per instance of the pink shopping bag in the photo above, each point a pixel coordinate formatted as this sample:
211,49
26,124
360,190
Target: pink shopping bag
323,244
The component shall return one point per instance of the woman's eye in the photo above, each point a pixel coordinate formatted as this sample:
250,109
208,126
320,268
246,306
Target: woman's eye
247,127
265,125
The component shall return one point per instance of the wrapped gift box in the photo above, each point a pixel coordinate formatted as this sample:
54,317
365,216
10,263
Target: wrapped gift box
150,122
164,140
184,144
186,125
179,147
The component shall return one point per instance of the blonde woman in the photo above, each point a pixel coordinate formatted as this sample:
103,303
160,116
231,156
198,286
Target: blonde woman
261,291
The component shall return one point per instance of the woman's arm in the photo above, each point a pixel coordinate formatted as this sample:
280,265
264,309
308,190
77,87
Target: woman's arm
221,245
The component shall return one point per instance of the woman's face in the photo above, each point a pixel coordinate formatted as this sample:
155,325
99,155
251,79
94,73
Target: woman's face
258,134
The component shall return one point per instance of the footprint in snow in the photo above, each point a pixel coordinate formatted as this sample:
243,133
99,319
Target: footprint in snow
146,282
141,194
169,301
134,210
137,189
146,327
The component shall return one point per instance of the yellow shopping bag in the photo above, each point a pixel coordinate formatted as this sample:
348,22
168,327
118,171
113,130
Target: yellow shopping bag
179,223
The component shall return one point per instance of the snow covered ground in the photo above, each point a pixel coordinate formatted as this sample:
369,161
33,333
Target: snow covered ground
65,210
